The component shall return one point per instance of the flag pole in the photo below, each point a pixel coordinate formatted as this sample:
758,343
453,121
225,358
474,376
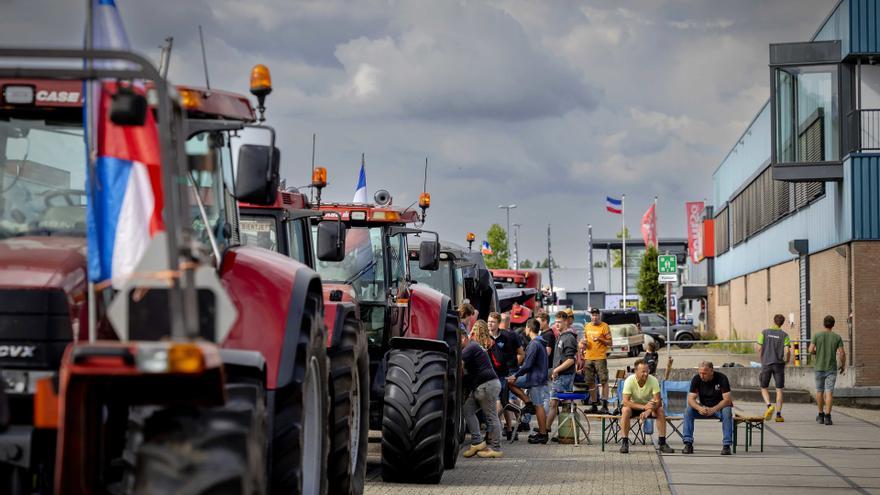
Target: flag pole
623,236
90,145
656,228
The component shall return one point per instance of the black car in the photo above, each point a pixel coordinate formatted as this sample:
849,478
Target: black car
654,325
620,317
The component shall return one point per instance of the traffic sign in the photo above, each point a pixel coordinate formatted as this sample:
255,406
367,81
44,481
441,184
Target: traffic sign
666,263
667,277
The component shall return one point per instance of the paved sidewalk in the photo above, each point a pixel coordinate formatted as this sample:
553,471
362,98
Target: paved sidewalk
550,469
799,456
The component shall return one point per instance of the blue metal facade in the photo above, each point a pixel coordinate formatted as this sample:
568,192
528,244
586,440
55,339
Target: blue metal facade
849,210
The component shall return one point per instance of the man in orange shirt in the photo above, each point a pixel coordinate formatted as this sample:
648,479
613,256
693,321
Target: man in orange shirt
597,338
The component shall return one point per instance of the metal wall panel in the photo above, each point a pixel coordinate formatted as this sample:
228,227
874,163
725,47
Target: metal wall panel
865,189
864,20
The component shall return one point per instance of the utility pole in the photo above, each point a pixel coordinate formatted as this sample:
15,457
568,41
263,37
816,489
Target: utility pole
550,266
507,232
589,264
623,254
516,246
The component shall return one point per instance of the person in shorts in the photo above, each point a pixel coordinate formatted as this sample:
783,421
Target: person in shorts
641,396
597,339
562,372
774,348
830,359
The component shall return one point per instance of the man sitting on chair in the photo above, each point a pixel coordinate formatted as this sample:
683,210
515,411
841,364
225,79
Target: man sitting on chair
641,395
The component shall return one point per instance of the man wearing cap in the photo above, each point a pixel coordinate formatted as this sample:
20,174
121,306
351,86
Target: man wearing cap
597,338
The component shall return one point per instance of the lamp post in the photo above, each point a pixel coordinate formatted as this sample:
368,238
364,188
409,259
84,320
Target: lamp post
507,232
516,246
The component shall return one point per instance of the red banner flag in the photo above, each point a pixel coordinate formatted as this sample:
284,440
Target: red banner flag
695,229
649,226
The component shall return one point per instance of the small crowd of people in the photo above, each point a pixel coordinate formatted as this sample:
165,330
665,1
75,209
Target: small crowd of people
525,370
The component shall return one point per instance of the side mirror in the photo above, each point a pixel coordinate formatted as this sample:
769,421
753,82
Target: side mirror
331,241
257,179
128,108
429,255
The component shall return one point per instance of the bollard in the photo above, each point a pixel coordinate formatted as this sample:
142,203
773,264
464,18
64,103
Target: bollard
797,354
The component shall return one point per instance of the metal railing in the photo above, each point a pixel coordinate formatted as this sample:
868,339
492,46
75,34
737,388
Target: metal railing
864,125
727,349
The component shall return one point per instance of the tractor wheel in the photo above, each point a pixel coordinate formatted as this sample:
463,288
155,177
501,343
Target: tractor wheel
414,416
349,412
454,402
300,440
216,450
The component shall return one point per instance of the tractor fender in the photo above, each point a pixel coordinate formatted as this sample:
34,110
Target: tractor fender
419,344
427,313
335,314
271,292
241,365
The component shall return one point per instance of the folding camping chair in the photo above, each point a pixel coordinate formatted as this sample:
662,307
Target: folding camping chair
674,395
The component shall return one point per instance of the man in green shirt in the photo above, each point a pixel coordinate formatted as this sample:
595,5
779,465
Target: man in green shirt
641,395
830,358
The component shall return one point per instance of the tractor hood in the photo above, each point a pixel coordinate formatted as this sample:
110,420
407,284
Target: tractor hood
42,262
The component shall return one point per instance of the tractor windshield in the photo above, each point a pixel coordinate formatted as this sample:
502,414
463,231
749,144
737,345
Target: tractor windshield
210,162
42,178
363,266
441,279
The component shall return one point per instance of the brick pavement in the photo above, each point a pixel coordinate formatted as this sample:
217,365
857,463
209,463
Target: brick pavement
539,469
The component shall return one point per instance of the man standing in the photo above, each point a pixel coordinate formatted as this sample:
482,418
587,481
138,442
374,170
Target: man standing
549,337
532,375
709,397
562,372
774,348
641,395
505,350
830,358
597,338
467,315
481,388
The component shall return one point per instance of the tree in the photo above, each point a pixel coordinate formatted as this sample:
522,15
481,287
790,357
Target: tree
617,259
546,264
525,264
497,238
600,264
653,295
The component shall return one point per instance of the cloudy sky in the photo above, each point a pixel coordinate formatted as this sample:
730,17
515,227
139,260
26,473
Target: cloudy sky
549,105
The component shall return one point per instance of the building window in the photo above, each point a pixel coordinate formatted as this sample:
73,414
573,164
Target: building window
724,294
722,232
807,114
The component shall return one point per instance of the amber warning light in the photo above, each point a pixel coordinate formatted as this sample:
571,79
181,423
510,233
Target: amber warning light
425,200
261,86
319,177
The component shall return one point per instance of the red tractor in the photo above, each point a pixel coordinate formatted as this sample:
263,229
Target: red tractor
411,329
206,370
521,281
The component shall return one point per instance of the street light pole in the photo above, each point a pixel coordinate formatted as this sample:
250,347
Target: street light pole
507,233
516,246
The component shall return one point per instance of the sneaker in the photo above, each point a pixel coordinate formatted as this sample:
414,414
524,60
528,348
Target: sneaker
490,454
688,448
604,409
473,449
508,433
529,408
820,418
539,439
828,421
624,448
779,418
555,439
725,450
769,412
523,427
666,449
594,409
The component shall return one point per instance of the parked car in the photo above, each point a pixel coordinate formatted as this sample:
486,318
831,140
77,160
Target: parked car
654,325
627,341
620,317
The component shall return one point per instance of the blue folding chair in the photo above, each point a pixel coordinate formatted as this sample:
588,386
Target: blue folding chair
674,395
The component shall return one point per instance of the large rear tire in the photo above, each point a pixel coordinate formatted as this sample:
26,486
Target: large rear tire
454,418
414,416
206,451
300,440
349,412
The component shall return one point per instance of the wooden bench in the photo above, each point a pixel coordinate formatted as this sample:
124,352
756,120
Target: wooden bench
611,428
751,423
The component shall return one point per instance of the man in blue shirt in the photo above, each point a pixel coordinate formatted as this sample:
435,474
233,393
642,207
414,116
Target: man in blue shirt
532,375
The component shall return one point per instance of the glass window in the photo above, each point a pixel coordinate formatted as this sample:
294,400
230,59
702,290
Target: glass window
807,114
363,265
440,279
205,154
297,230
398,259
42,178
259,231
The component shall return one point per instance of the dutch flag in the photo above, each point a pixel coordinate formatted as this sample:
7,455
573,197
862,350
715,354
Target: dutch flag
486,248
360,192
613,205
124,184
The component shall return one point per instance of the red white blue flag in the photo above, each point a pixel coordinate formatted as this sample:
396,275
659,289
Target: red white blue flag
124,187
613,205
486,248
